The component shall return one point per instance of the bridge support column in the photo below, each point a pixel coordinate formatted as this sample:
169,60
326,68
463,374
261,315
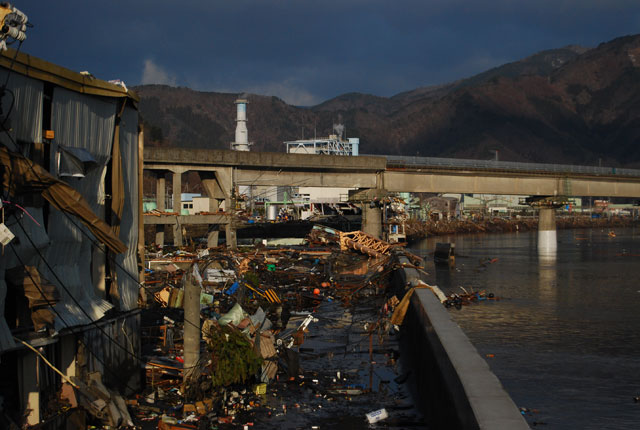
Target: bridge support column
212,238
191,306
230,233
161,192
159,235
230,229
177,235
547,241
217,185
177,191
161,198
372,220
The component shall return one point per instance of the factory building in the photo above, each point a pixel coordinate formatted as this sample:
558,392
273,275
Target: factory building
334,144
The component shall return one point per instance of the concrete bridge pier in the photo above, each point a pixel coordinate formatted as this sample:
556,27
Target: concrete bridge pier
229,228
159,235
161,192
212,238
372,220
176,191
547,240
217,185
177,205
178,239
230,234
371,213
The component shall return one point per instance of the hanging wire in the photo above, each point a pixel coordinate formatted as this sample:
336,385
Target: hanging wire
67,325
77,303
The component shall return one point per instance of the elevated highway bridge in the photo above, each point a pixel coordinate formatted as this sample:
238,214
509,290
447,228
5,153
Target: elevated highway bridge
223,170
397,173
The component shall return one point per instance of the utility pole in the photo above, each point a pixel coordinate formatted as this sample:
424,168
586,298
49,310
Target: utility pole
191,307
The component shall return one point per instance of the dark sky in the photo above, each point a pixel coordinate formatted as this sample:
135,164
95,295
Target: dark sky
307,51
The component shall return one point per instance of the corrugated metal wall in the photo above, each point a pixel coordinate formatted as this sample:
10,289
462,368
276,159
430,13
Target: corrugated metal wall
26,116
123,369
6,339
25,122
127,283
26,254
87,122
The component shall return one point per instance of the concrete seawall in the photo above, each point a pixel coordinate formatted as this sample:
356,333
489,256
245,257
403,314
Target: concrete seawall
456,388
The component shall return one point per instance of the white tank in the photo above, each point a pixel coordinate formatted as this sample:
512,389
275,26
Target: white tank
272,212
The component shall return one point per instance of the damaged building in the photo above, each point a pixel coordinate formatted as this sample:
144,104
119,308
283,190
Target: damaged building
70,154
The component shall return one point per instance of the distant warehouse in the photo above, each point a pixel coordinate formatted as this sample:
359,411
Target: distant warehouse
70,148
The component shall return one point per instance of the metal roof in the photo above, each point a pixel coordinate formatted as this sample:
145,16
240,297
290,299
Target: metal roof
37,68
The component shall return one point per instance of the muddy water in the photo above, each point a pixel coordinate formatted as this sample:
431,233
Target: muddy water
565,338
334,358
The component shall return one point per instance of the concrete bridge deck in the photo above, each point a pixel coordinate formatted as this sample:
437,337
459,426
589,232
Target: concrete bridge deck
221,171
401,174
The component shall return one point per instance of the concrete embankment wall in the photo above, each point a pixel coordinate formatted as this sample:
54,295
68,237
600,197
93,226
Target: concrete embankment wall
454,384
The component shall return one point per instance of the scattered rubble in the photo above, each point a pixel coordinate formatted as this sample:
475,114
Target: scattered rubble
416,229
290,337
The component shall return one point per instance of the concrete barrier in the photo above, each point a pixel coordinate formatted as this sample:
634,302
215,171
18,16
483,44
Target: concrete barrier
455,386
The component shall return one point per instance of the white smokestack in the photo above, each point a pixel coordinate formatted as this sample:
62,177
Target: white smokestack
242,135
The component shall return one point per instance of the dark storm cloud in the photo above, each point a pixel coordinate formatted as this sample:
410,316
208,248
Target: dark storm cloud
306,51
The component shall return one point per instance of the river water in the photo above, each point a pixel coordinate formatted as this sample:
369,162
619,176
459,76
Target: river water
565,337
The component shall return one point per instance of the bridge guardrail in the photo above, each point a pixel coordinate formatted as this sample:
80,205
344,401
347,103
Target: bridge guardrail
509,166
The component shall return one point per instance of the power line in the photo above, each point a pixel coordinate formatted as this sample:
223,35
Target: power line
112,260
77,303
35,172
6,82
52,306
124,348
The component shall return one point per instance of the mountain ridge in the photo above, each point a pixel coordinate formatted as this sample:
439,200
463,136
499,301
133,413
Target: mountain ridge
568,105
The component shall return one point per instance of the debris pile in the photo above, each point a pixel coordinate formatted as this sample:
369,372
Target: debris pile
290,337
416,229
457,300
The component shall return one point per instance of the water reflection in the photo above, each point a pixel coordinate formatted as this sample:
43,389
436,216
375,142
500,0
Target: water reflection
547,276
547,257
443,275
565,334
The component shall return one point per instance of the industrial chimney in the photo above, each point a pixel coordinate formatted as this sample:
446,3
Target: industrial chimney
242,136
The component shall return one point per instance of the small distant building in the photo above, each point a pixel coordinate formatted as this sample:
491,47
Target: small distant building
193,204
574,206
442,207
323,195
493,204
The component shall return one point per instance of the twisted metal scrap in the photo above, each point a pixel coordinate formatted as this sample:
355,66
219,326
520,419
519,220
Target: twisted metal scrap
365,243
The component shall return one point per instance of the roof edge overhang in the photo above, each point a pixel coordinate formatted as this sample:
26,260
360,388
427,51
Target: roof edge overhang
37,68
